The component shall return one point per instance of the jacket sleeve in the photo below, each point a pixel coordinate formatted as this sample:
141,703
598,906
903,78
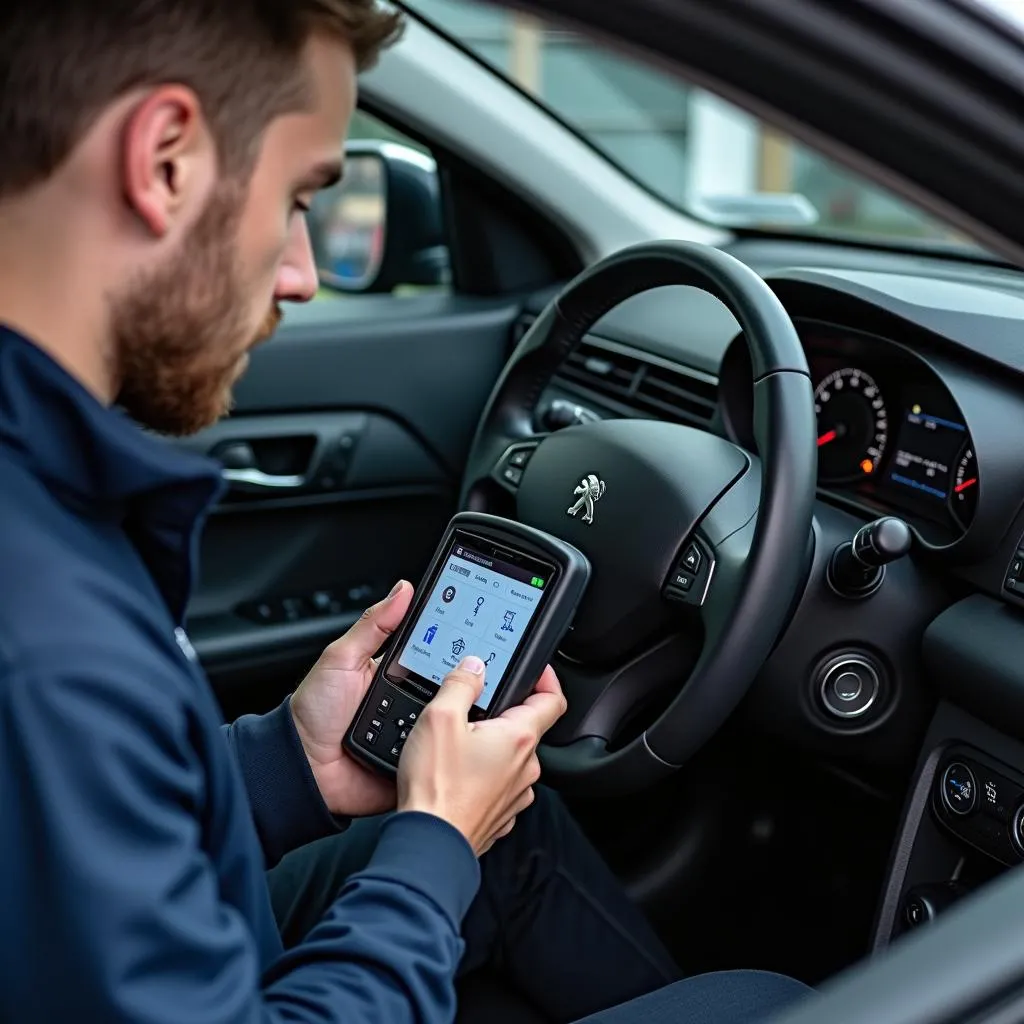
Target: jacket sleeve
283,795
112,907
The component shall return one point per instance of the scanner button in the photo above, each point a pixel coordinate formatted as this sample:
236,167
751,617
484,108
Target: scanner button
377,724
371,735
385,706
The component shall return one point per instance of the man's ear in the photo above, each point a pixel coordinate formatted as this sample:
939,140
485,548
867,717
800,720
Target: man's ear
168,158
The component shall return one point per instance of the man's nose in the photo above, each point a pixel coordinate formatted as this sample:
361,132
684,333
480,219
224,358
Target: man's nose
297,280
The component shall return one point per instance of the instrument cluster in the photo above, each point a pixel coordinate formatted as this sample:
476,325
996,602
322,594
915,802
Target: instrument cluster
891,437
893,440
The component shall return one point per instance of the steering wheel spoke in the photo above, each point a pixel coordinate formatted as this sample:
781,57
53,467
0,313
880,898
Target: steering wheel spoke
689,581
730,561
602,700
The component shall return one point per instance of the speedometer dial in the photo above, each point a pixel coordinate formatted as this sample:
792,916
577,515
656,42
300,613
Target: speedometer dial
853,425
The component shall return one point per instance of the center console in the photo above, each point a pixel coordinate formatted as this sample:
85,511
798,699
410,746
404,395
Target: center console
963,822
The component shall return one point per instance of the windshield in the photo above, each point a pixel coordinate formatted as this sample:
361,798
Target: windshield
697,152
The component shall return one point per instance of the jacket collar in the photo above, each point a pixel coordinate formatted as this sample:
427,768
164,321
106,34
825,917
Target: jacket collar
99,463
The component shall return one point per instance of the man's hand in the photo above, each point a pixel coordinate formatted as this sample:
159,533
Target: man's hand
476,776
327,700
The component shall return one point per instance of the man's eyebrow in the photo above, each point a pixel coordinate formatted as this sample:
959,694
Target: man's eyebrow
324,175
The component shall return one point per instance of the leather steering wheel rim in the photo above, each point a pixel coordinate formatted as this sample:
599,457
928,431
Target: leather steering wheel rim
763,552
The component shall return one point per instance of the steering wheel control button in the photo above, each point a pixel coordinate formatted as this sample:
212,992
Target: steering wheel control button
509,469
692,559
690,576
682,581
959,789
849,686
1014,580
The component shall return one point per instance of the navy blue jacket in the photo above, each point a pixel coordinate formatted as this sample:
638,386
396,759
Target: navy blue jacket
135,830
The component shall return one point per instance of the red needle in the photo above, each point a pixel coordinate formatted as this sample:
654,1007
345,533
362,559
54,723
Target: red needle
828,436
965,484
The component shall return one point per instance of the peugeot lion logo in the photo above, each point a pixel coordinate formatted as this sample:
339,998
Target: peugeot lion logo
590,490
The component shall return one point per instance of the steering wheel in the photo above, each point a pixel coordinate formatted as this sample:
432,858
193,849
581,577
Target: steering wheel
687,534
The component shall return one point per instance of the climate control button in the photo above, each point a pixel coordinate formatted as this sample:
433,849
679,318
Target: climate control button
959,789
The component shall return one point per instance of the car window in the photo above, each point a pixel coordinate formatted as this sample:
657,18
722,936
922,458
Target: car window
696,151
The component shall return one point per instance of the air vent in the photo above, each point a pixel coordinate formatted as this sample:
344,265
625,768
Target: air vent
637,384
633,381
669,393
602,371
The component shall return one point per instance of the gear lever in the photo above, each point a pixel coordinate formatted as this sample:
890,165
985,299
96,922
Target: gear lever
857,567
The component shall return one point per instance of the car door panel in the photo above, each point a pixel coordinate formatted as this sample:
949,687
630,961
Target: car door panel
278,583
430,360
342,462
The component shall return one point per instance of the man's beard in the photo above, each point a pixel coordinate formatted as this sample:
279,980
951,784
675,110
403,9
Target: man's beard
180,333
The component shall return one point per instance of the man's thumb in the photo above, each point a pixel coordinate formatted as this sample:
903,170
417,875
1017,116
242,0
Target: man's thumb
373,628
462,686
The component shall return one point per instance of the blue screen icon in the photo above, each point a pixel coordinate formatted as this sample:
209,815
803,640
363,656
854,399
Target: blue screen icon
428,637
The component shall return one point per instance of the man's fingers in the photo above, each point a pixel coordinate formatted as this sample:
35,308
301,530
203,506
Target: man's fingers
461,688
548,707
543,708
377,623
504,830
524,801
548,682
547,700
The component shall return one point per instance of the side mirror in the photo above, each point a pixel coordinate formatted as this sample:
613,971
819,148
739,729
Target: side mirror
381,226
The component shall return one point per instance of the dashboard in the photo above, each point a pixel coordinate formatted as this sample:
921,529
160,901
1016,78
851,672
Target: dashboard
891,437
918,371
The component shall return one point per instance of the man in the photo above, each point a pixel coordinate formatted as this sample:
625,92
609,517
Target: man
159,156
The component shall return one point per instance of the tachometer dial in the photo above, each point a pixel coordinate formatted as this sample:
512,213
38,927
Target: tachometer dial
853,425
963,499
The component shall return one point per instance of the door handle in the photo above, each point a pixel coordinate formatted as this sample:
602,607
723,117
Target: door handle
258,480
239,469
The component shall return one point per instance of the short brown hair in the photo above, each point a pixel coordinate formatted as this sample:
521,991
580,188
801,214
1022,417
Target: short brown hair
63,62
